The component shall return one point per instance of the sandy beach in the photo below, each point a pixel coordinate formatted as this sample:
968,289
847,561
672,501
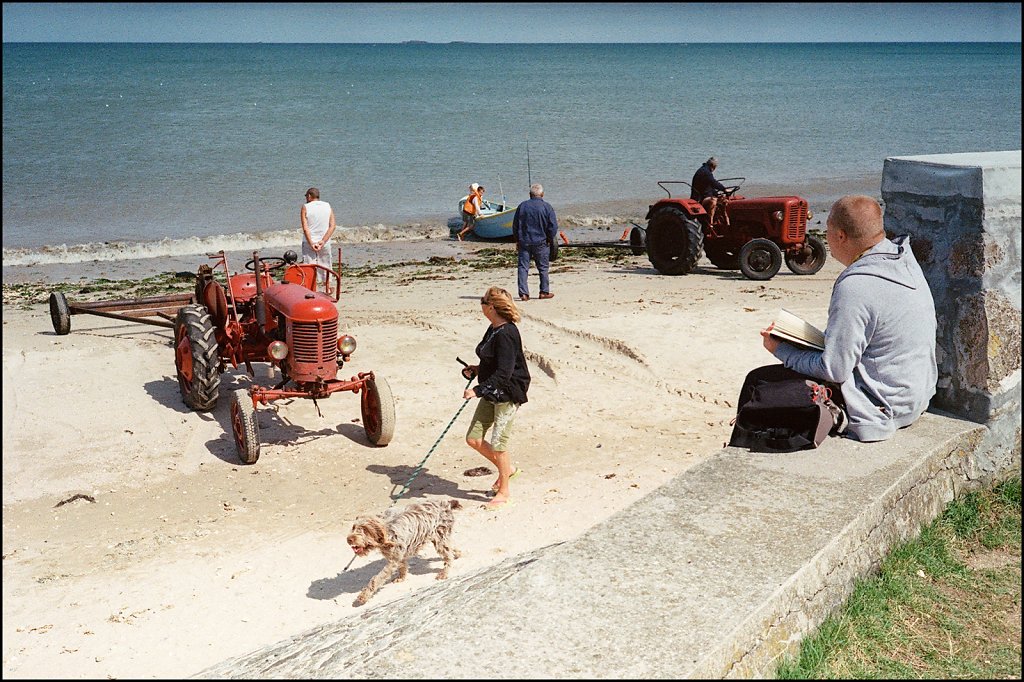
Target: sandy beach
171,555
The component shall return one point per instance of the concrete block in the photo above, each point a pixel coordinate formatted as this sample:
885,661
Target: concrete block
963,213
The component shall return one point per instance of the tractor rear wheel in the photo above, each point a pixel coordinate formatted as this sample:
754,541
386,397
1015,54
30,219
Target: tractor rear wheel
195,357
378,410
810,260
721,258
760,259
245,427
637,241
60,313
674,241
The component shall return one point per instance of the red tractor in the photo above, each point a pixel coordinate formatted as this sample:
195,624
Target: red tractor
291,324
754,235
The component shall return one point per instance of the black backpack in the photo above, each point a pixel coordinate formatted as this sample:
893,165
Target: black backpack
783,415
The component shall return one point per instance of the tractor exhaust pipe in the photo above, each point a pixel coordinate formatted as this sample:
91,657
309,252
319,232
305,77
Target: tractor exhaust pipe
261,313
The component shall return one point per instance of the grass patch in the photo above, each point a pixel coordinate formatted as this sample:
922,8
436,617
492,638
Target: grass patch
943,606
25,295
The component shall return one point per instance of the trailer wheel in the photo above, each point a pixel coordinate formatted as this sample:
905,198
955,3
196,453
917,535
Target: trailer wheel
810,260
760,259
60,313
378,410
195,357
674,241
245,427
638,241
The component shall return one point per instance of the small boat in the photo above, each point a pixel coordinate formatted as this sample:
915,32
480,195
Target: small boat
494,222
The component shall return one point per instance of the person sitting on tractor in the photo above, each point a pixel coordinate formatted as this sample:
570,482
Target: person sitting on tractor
707,190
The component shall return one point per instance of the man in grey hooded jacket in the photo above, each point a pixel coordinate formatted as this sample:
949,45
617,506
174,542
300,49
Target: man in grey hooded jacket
880,337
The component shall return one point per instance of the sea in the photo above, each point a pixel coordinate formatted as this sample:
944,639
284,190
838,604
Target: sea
116,151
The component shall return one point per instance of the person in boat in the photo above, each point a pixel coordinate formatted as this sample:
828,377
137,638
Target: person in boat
471,209
707,190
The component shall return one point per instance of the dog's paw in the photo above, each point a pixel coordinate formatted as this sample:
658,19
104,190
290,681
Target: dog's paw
360,600
442,575
398,579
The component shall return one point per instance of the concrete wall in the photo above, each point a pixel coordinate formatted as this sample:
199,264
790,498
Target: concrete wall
963,213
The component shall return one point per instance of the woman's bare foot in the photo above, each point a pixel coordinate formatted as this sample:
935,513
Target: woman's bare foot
494,488
499,502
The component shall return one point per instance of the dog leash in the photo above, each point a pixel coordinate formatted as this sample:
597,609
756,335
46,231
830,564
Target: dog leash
419,467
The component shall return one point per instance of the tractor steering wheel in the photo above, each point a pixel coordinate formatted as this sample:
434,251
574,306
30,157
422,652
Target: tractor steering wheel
729,191
274,263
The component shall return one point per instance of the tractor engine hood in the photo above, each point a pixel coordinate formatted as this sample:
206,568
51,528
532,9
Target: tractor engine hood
300,304
765,204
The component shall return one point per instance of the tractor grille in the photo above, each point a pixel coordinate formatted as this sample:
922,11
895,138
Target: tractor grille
796,219
315,342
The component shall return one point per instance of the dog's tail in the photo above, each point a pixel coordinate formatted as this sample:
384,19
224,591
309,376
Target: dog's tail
454,504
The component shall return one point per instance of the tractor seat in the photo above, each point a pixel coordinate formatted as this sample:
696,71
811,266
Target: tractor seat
243,285
303,274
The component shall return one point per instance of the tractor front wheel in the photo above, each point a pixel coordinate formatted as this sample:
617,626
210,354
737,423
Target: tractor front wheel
60,313
378,410
195,357
760,259
674,241
810,259
245,427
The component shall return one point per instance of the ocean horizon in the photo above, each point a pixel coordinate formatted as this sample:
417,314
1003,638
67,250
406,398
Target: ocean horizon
120,149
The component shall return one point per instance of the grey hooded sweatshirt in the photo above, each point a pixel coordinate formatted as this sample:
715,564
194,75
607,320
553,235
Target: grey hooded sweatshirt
879,341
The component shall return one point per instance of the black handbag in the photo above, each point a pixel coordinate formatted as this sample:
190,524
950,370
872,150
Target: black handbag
783,416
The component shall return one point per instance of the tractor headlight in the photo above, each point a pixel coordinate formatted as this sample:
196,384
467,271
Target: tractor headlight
278,350
810,214
778,216
347,344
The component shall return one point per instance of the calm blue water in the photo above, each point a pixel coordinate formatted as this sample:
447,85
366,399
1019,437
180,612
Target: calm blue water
109,142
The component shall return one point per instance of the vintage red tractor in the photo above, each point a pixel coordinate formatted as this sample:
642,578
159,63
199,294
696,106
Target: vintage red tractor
754,235
291,324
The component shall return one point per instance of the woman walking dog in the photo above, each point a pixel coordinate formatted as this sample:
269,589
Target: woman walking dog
503,380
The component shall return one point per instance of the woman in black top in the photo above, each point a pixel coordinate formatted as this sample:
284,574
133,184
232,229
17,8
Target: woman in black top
503,382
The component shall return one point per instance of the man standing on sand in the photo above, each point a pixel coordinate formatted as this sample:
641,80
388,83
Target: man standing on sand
317,219
880,337
534,228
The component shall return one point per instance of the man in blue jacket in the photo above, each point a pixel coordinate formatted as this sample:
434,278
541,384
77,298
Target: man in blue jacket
706,189
534,228
880,337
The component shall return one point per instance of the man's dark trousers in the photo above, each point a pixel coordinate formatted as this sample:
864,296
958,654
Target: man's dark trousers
540,254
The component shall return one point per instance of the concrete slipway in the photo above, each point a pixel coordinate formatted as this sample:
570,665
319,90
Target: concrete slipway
715,574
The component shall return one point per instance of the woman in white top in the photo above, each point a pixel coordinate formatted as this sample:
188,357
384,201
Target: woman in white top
317,226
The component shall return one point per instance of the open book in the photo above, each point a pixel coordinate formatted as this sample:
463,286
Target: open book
791,328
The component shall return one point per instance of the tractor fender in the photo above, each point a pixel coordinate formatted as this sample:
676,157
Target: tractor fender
688,206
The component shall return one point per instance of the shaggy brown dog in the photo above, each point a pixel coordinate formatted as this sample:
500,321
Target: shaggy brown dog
399,535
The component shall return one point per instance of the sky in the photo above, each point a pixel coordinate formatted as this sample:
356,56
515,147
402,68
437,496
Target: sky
511,22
